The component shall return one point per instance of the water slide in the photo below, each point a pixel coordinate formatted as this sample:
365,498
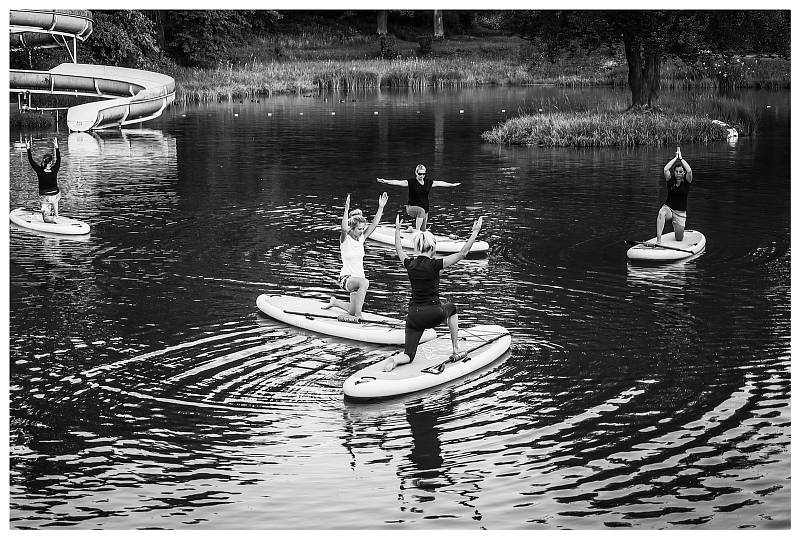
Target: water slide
127,95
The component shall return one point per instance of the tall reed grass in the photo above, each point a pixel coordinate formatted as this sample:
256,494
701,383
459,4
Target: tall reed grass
256,78
597,129
31,120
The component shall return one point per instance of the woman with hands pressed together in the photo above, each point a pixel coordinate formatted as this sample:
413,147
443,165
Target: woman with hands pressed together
425,310
678,175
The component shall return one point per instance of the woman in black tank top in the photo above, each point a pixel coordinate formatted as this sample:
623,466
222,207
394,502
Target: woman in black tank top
419,190
678,175
425,310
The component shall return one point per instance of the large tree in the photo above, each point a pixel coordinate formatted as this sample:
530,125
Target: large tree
648,36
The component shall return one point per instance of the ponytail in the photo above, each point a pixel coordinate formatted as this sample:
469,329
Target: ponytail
355,218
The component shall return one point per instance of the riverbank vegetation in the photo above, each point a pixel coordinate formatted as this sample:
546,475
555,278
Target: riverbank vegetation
570,122
30,121
256,78
223,55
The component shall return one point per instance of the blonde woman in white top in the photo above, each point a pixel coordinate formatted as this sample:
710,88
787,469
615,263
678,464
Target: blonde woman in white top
351,245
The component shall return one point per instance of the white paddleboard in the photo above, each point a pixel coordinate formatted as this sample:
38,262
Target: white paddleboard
308,313
444,244
669,249
431,367
33,220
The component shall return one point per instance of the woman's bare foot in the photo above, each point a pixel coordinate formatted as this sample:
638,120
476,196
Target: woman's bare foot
457,355
331,303
395,361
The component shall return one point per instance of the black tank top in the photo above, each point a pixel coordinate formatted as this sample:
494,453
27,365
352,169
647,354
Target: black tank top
677,197
418,194
423,272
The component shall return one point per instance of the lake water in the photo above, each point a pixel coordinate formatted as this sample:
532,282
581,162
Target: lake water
147,391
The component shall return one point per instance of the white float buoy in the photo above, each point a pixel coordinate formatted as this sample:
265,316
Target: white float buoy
502,110
333,114
375,113
301,114
461,111
269,114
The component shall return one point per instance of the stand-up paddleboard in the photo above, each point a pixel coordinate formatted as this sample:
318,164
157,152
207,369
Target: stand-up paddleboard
444,244
432,365
669,248
308,313
33,220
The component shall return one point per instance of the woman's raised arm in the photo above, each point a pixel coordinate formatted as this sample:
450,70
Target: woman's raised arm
378,214
449,260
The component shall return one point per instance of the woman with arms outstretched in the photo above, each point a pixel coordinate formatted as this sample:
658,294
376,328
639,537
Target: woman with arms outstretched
419,188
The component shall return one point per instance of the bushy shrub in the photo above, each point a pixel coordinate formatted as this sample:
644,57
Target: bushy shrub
122,38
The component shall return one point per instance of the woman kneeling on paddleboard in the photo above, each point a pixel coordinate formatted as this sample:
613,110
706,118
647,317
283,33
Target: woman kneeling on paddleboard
425,310
678,175
48,182
351,244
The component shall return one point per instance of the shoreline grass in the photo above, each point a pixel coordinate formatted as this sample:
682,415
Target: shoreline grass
583,122
26,120
260,79
256,78
598,129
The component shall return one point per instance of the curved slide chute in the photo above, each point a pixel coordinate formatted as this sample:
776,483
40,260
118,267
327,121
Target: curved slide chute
132,95
33,29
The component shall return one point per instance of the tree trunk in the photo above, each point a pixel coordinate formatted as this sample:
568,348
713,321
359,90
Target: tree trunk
644,72
633,55
160,19
652,77
382,18
438,25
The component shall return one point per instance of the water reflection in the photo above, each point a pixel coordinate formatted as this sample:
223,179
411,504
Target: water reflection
122,143
648,397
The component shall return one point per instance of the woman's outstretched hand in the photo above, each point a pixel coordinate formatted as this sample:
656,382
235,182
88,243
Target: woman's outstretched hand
476,226
27,144
382,200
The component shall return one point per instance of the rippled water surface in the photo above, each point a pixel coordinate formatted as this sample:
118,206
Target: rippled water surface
147,391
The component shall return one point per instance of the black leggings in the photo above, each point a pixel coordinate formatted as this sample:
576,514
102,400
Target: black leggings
422,317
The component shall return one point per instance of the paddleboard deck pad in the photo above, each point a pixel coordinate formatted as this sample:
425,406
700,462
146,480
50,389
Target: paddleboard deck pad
444,244
693,243
308,313
432,365
33,220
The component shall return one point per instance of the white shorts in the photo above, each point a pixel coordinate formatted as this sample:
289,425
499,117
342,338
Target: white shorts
677,217
49,203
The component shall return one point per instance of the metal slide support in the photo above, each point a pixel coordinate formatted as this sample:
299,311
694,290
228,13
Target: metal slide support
125,116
